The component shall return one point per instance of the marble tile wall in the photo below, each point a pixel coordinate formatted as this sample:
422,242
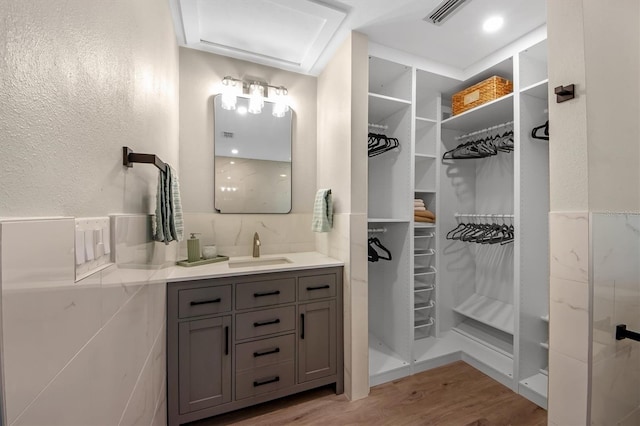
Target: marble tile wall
569,318
85,353
615,377
233,234
340,244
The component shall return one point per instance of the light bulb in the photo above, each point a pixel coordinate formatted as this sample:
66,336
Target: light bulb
280,107
229,98
256,100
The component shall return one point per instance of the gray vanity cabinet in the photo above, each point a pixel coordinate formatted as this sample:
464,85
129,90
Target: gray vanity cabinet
233,342
205,363
317,342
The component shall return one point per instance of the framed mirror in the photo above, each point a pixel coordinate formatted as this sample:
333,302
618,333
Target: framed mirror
252,159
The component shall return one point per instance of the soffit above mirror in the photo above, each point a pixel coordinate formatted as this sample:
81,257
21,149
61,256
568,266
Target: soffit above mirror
287,34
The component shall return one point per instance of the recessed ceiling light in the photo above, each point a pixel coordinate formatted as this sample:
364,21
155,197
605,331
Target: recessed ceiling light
234,151
493,24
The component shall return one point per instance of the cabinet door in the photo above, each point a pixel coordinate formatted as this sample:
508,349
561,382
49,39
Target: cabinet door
204,363
317,340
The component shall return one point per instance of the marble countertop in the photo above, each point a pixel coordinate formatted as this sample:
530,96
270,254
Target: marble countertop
306,260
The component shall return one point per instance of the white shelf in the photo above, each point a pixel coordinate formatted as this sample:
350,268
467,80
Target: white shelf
474,332
425,157
386,220
423,225
486,115
426,120
384,364
424,252
544,345
538,90
382,107
544,371
491,312
424,191
538,384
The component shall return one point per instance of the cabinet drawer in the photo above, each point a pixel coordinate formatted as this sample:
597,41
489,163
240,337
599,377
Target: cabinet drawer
268,321
275,350
317,287
264,379
204,301
265,293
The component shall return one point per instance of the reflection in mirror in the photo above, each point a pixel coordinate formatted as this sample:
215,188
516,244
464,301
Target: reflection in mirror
252,159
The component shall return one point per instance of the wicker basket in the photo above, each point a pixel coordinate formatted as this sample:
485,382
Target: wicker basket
478,94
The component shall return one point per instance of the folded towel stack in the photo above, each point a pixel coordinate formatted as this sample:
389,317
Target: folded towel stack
420,212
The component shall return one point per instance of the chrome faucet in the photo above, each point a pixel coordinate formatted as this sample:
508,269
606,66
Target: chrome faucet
256,245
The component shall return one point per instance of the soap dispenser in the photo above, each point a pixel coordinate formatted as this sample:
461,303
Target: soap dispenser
193,248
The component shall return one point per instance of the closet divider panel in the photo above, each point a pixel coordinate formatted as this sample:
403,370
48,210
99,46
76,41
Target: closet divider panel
533,184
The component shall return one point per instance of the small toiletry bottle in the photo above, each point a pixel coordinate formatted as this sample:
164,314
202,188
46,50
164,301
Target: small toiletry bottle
193,248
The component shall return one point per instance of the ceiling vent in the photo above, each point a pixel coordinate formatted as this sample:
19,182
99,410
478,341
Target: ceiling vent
444,11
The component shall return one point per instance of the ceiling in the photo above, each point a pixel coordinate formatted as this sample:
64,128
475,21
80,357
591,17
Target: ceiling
302,35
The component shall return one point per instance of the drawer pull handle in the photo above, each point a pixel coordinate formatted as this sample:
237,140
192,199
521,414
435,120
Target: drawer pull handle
302,326
322,287
268,293
266,382
226,340
204,302
268,352
260,324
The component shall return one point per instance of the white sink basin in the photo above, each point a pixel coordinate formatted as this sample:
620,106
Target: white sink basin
247,262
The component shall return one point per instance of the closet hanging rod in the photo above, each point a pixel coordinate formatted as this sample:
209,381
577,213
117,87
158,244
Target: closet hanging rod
377,230
485,216
129,157
477,132
378,126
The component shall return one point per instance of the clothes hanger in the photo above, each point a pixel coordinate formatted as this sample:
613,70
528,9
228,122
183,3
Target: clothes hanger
545,128
377,246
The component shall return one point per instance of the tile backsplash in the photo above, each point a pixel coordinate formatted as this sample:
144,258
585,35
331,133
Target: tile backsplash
90,352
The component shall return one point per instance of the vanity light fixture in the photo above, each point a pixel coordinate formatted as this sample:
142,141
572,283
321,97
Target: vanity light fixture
258,92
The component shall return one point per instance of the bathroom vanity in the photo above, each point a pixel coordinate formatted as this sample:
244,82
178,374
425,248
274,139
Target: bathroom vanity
238,336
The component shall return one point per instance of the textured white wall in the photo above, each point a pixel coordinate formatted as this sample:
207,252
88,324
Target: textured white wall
80,79
612,55
201,74
568,162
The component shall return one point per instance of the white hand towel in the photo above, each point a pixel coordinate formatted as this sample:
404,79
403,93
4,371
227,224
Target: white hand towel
322,211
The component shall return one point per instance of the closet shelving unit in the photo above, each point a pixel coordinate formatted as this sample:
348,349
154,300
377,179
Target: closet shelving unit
485,304
390,111
477,304
425,183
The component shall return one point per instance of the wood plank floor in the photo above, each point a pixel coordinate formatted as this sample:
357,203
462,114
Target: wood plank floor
456,394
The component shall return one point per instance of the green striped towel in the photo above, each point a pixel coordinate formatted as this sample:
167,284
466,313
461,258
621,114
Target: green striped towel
322,211
168,224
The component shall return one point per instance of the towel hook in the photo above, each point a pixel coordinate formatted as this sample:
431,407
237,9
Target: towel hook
129,157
